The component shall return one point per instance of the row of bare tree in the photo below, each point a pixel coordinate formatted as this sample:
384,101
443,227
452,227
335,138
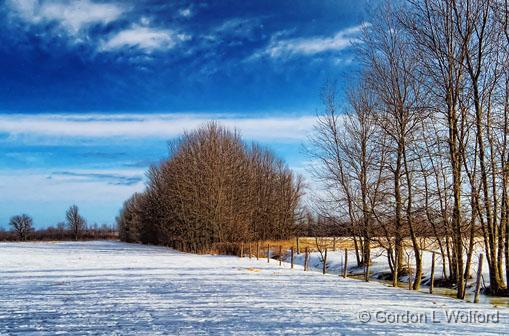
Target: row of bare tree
73,228
423,148
213,188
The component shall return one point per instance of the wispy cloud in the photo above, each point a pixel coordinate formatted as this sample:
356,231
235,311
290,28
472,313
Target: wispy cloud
151,125
72,19
27,185
279,47
144,38
73,16
125,179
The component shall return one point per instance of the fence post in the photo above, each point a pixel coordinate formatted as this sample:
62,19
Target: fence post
280,255
257,250
298,248
242,250
306,259
325,262
409,272
249,250
478,280
366,268
268,253
291,256
345,266
432,278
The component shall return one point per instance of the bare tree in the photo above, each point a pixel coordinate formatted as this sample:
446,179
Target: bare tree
438,73
22,224
75,222
462,46
390,65
345,147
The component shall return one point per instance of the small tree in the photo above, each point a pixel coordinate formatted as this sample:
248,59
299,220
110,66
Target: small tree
75,222
22,224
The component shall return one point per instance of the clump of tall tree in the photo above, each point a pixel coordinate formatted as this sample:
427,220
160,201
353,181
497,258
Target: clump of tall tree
422,149
213,188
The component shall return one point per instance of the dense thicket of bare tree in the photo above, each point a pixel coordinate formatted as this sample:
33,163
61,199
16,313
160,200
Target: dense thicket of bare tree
75,222
22,225
213,188
422,149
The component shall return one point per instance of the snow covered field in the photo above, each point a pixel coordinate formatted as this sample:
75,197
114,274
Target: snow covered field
116,288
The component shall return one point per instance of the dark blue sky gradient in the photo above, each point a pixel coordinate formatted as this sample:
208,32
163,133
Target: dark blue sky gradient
43,71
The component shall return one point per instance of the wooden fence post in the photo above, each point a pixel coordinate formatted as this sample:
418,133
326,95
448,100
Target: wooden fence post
268,253
325,262
432,277
298,248
249,250
242,250
478,280
366,268
257,250
345,266
306,259
291,256
409,273
280,255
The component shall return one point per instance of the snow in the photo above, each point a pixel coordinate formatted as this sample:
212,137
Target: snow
380,265
106,287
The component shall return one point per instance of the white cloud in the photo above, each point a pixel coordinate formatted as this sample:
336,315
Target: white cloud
308,46
151,125
186,12
144,38
40,185
71,15
75,16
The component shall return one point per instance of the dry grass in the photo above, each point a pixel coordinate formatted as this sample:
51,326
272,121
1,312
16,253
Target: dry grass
339,243
312,243
330,243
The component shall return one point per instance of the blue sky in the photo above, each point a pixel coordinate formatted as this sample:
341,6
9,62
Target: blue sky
91,91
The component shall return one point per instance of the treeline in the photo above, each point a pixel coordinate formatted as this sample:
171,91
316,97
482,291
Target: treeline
53,233
423,147
213,188
74,228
